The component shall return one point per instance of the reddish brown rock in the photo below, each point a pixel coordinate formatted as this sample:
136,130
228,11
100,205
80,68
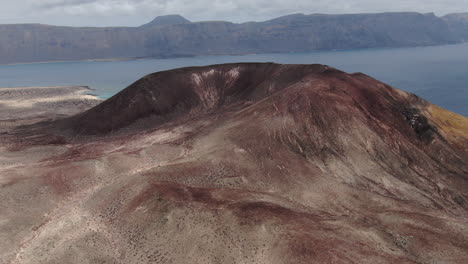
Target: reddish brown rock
241,163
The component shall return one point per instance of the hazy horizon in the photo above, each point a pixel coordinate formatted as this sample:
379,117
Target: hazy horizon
137,12
207,20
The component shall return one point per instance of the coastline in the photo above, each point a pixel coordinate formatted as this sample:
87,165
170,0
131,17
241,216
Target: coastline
67,61
27,105
177,56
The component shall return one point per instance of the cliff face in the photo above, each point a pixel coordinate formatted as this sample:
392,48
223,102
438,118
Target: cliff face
30,43
172,36
457,17
459,23
260,163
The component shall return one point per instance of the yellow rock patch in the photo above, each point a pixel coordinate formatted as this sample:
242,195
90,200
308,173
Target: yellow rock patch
453,126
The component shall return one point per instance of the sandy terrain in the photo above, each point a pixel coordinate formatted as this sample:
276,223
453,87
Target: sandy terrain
21,105
238,163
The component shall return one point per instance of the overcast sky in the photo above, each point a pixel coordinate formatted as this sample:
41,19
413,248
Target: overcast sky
136,12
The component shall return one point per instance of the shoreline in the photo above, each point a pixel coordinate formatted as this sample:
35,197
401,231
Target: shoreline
87,91
232,55
24,105
68,61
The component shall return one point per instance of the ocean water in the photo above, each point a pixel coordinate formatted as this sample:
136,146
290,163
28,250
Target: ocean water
438,74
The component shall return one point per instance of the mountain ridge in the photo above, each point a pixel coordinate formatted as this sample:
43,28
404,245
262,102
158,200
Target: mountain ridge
178,38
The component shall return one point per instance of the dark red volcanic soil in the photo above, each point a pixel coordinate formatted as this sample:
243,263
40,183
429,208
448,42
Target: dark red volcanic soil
245,163
195,91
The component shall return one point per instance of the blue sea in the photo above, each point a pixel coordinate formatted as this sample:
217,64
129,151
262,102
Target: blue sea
438,74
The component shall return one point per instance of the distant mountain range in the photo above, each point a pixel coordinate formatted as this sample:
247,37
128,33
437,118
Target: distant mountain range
175,36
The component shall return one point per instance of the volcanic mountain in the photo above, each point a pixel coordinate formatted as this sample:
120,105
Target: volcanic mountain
167,20
240,163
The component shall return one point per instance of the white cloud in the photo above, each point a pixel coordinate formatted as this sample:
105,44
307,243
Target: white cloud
135,12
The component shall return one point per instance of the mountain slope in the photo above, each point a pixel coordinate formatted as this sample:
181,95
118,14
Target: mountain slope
173,36
259,163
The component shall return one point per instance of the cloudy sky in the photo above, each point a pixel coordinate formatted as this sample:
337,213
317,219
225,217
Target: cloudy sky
136,12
